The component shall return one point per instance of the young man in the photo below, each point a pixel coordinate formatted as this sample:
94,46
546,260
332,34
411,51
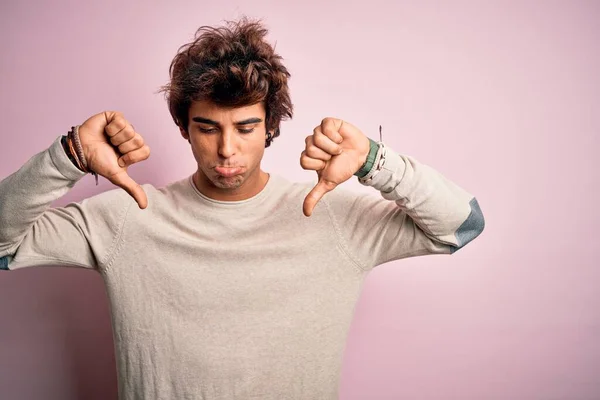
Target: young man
233,283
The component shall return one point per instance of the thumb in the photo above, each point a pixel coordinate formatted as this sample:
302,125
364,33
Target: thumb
124,181
315,195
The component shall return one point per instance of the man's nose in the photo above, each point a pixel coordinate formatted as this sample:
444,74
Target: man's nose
227,144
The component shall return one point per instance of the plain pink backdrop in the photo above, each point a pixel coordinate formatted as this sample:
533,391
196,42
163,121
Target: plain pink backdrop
502,97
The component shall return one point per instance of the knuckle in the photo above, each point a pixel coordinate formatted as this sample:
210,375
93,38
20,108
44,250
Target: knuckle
131,158
124,147
322,142
128,133
138,140
120,122
115,127
305,161
315,152
318,140
327,122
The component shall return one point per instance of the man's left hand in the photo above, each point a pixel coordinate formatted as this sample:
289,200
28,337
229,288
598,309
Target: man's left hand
336,150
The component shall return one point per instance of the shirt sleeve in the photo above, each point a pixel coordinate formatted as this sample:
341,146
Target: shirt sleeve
82,234
417,212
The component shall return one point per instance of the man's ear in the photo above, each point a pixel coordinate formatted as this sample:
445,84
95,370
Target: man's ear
184,134
270,135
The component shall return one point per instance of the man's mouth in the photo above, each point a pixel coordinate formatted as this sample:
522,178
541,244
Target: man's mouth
228,171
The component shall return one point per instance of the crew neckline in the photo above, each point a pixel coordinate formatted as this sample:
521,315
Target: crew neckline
235,203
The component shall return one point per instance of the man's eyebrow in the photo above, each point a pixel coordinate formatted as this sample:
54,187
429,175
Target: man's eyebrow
215,123
249,121
205,121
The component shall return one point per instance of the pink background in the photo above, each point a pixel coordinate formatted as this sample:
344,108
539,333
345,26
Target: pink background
503,98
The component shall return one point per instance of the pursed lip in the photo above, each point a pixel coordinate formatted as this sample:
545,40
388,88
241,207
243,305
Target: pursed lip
228,171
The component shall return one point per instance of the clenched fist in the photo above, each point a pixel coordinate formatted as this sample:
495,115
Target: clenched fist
110,145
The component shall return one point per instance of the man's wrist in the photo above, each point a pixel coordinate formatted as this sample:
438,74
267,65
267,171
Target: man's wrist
370,161
65,144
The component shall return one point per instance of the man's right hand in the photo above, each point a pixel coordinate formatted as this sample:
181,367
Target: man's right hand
110,145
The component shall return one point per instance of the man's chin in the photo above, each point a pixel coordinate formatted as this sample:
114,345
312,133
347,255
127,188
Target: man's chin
228,183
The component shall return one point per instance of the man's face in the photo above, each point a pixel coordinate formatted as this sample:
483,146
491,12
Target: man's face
228,144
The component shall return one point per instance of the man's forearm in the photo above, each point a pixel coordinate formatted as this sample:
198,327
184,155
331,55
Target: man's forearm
443,210
28,192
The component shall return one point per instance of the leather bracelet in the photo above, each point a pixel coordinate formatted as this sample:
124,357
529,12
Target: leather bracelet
73,136
68,148
74,152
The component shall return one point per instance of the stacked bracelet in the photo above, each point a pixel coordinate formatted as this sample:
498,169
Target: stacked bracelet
76,157
76,151
377,165
68,148
74,138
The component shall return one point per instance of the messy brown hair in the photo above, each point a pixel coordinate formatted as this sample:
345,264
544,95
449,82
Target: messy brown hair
232,66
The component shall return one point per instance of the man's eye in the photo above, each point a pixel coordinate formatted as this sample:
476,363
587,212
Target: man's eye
246,130
210,130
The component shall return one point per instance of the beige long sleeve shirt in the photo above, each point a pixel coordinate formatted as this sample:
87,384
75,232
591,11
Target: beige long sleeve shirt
231,300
